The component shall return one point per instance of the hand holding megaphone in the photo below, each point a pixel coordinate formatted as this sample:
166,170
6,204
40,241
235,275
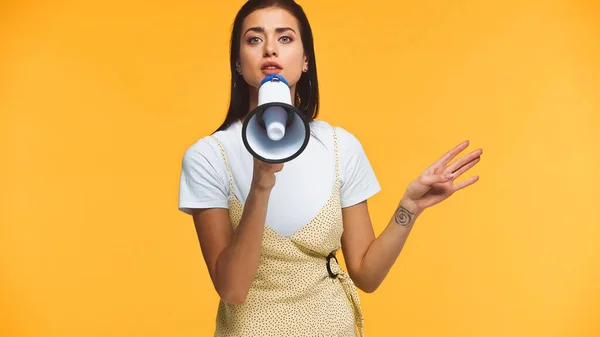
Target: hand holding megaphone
263,176
275,131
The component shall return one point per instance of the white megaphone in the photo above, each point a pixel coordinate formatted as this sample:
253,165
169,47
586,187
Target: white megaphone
275,131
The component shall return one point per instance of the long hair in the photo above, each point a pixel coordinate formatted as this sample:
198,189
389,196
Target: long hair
307,88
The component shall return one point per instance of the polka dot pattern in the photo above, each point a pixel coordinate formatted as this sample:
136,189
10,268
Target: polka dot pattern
293,293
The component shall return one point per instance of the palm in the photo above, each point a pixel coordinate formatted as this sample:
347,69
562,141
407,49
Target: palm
432,186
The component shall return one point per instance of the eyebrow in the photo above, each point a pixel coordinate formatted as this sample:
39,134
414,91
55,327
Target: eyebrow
262,30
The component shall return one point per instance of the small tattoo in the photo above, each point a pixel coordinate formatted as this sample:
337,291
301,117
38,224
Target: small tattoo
403,217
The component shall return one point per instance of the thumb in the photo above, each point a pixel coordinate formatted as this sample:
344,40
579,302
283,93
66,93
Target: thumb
438,178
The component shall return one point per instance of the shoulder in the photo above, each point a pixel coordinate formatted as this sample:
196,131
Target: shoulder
209,147
205,155
358,180
347,141
204,149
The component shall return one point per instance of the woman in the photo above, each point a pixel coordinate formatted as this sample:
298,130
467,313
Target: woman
269,234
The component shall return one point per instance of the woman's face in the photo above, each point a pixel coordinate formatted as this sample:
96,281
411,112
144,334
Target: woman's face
271,44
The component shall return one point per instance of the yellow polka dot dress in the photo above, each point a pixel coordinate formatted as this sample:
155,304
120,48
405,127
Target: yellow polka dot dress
299,289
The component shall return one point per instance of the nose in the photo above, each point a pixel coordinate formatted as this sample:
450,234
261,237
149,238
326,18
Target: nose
270,51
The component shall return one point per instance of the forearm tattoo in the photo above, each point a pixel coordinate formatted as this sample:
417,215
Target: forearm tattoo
403,217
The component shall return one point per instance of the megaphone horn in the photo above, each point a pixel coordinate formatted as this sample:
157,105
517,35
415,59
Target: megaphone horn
275,131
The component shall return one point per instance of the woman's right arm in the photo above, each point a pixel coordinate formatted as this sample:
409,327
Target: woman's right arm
232,257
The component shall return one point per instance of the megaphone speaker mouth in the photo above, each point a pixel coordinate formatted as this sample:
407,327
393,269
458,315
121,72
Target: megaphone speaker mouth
275,131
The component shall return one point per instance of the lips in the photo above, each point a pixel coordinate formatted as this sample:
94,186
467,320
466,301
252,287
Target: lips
271,66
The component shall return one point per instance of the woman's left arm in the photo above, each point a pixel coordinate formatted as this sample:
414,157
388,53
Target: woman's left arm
369,259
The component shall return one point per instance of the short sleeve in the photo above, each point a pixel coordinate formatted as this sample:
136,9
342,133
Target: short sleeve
203,179
358,180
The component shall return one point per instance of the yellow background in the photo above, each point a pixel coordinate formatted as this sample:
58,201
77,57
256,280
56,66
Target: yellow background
99,100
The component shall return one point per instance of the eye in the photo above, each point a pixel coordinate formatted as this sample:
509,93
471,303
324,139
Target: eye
285,39
254,40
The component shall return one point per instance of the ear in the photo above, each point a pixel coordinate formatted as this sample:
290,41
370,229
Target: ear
305,66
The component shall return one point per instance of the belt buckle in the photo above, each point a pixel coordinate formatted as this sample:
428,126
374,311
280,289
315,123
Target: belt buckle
329,257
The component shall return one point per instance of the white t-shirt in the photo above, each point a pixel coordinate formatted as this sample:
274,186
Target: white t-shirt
302,187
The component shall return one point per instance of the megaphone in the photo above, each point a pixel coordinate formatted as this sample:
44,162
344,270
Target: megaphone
275,131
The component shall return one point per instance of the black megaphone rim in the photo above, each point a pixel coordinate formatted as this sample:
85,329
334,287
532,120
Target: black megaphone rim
287,107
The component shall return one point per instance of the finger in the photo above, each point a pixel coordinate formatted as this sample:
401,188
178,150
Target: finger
445,159
279,168
465,183
462,169
437,178
464,160
466,167
273,168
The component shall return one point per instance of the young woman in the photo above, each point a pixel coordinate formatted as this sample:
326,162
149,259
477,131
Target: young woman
269,232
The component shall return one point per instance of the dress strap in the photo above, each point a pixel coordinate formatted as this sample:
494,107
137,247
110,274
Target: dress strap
231,188
337,159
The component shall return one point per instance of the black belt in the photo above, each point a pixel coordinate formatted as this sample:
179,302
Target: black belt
329,257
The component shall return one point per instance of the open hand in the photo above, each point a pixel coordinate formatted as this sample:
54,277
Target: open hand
436,183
